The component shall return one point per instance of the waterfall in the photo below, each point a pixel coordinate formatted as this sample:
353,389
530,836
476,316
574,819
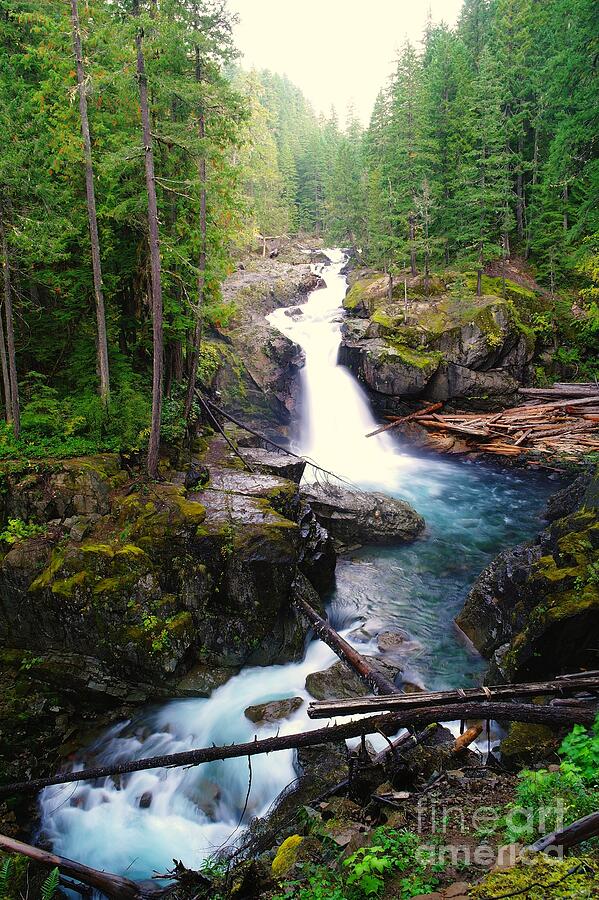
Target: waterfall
336,415
139,824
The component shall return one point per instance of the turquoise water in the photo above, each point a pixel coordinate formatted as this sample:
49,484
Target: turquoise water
472,512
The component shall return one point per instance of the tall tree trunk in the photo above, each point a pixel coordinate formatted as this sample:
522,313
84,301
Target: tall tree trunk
102,341
154,242
5,375
565,199
199,312
412,223
534,180
13,383
520,190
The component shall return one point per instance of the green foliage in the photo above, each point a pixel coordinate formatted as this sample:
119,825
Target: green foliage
18,530
6,867
394,853
575,785
50,885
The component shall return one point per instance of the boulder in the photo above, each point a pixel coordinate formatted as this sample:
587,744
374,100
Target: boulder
535,610
357,516
273,710
274,462
338,682
441,344
165,579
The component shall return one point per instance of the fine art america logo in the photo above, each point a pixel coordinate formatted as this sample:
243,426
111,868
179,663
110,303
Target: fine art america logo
452,828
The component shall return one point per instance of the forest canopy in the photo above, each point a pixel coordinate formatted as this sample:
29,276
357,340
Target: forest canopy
482,145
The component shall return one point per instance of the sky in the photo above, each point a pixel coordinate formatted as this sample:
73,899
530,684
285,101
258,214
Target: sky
339,52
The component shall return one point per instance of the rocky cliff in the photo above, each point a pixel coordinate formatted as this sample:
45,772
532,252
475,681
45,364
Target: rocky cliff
149,580
535,610
436,339
253,367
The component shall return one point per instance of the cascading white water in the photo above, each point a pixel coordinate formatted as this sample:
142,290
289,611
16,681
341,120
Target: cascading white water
336,416
150,818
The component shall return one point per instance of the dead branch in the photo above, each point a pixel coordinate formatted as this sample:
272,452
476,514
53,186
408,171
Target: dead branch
322,709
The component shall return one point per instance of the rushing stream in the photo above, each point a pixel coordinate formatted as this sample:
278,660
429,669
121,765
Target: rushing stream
471,512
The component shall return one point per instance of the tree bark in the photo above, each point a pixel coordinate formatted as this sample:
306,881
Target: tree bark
155,273
520,190
346,653
10,334
102,340
579,831
389,724
114,886
5,375
412,224
199,312
322,709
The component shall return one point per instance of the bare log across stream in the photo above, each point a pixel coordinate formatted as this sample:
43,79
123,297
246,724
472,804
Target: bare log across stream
114,886
346,653
557,716
322,709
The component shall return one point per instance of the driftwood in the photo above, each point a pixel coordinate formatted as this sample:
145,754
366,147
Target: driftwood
388,724
566,425
113,886
322,709
561,389
400,420
467,738
579,831
346,653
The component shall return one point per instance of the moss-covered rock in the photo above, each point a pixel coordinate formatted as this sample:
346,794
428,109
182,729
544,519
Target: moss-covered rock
162,579
440,344
535,609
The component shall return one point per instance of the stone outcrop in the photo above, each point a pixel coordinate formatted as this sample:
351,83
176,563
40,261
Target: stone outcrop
150,579
443,344
535,610
337,682
251,364
358,516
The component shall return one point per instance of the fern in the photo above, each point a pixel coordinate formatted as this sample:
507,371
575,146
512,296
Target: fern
50,885
6,868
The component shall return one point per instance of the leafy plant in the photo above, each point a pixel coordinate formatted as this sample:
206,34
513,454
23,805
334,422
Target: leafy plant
50,885
542,797
18,530
368,865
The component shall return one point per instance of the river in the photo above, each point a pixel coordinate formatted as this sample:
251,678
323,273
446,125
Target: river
472,512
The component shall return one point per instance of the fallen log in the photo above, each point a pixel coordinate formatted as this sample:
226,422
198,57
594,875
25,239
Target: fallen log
399,421
113,886
322,709
579,831
557,716
562,389
346,653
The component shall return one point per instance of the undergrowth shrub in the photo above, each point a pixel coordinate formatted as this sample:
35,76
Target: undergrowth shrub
541,793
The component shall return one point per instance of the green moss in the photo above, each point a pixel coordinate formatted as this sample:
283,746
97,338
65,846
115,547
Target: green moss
363,291
286,855
66,587
542,878
45,578
414,358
